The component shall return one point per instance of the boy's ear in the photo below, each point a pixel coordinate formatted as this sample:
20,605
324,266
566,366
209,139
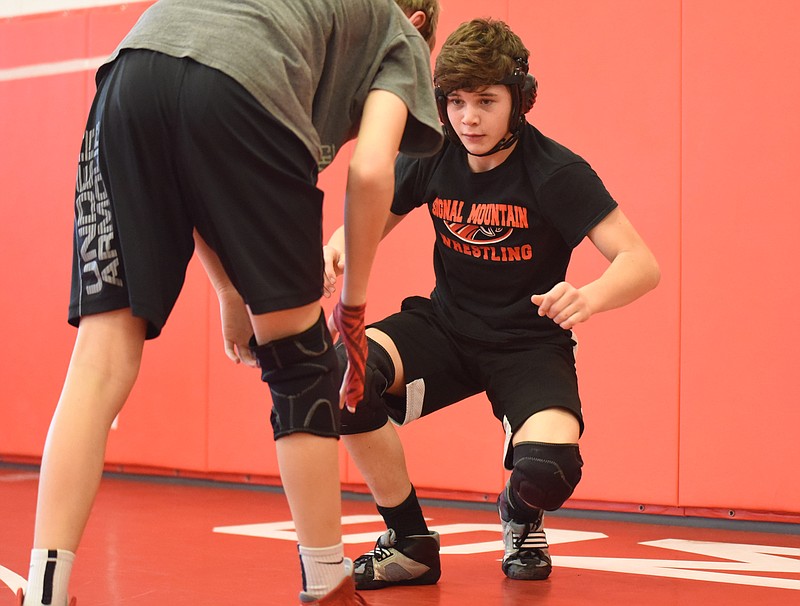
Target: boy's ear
418,19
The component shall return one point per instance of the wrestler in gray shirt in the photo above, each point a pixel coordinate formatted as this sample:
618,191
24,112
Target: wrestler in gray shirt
311,63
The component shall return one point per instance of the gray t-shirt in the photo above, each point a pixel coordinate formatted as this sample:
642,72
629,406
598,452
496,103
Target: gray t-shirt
311,63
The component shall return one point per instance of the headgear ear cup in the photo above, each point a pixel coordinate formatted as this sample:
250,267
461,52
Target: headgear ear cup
529,89
523,88
441,105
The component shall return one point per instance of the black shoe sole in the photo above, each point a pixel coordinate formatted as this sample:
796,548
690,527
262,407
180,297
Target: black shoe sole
537,574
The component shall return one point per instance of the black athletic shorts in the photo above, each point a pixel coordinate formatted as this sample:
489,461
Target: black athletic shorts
171,145
441,369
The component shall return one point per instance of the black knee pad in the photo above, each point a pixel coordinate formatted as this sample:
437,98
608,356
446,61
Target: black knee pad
545,475
302,372
371,412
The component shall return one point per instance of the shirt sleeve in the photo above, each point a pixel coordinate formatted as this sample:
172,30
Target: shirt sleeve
407,187
574,200
405,71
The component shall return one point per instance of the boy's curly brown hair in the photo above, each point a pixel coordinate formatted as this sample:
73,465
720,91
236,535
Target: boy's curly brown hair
479,53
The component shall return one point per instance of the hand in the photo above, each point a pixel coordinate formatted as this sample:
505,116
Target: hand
334,267
236,327
564,304
348,322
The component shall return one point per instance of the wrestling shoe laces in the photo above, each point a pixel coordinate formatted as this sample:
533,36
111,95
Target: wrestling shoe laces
411,560
526,554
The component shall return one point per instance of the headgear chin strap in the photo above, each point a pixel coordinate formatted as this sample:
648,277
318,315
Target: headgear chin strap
523,87
502,144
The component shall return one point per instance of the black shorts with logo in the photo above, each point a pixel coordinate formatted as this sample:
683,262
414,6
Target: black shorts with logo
172,145
442,368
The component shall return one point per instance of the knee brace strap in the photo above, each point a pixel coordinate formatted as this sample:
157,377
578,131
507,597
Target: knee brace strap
371,412
302,372
545,475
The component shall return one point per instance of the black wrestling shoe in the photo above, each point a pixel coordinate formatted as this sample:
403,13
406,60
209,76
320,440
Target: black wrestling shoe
411,560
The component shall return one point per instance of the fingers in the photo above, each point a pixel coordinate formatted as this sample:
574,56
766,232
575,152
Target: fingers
230,351
328,285
246,356
329,277
344,391
563,304
553,301
333,267
567,319
543,307
352,390
238,353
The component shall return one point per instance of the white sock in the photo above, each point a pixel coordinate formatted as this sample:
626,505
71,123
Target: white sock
323,568
48,577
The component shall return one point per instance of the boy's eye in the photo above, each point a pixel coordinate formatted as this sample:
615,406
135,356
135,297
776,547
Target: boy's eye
454,101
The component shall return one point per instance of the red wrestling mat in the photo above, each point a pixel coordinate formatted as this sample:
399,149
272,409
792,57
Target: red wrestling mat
156,542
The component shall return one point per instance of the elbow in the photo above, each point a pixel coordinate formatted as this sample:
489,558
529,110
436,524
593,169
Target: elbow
653,274
649,271
371,172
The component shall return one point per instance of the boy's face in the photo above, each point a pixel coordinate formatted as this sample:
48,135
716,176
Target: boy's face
480,117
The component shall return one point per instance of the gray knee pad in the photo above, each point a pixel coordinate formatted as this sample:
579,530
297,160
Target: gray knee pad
302,372
545,475
371,412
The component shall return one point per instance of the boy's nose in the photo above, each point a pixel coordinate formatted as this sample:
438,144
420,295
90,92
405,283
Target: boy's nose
470,116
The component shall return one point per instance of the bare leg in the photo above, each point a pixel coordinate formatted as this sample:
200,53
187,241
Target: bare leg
380,458
379,454
554,425
309,467
104,365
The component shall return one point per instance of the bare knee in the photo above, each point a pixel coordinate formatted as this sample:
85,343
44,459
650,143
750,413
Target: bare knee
110,344
285,323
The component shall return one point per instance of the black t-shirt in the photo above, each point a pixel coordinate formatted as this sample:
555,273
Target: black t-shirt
504,234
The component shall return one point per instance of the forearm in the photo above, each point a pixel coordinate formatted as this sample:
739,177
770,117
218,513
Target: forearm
629,276
369,196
